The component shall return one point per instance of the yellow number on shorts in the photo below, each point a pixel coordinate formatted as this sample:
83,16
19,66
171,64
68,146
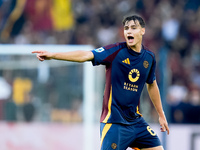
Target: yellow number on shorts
151,131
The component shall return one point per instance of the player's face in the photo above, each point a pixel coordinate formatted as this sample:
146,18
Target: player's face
133,33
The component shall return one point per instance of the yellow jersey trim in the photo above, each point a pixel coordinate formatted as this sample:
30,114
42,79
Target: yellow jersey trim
105,130
138,112
109,107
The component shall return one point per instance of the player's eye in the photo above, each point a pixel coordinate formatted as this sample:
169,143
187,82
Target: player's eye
133,27
125,28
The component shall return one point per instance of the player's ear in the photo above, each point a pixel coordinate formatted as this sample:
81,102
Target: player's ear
143,31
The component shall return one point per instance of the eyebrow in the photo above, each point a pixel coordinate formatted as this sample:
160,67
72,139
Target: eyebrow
131,25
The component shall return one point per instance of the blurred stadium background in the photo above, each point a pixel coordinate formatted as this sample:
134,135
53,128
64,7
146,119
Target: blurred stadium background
56,105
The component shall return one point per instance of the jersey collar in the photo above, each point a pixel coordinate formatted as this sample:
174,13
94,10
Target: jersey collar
134,52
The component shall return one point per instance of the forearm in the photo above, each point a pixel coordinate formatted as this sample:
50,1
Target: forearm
155,98
76,56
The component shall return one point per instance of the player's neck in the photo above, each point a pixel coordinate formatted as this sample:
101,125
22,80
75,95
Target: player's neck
137,48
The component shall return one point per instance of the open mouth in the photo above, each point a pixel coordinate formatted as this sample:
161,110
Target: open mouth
130,38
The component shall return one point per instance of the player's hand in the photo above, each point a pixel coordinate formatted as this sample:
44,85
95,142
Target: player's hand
163,124
43,55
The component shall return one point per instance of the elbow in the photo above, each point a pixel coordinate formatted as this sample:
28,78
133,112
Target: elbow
82,60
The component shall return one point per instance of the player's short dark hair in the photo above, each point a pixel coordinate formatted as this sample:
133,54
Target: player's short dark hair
134,18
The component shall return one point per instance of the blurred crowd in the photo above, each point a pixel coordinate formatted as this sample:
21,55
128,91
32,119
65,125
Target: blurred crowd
173,25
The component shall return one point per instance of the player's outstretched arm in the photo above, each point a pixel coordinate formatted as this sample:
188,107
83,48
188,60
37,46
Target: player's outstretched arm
155,98
76,56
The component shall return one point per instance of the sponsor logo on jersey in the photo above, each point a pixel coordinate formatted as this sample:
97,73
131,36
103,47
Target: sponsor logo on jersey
126,61
101,49
146,64
130,87
134,75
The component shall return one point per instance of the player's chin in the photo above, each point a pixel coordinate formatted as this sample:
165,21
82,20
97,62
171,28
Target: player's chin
130,44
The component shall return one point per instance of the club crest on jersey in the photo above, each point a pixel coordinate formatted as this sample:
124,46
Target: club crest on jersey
134,75
146,64
114,145
101,49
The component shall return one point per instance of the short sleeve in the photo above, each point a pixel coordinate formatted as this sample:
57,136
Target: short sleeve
105,55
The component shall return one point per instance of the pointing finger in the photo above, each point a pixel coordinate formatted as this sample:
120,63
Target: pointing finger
38,52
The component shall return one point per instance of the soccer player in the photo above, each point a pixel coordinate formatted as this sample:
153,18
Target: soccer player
129,65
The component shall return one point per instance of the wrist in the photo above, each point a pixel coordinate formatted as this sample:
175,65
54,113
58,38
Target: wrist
161,114
52,55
